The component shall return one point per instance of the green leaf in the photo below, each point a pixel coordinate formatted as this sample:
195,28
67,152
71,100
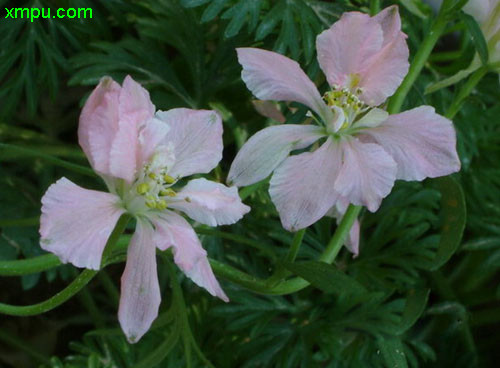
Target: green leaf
454,217
477,36
325,277
415,305
393,352
417,7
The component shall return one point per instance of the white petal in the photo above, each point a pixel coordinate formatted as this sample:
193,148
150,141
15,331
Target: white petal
367,174
76,223
422,143
140,292
197,139
266,149
173,231
302,187
210,203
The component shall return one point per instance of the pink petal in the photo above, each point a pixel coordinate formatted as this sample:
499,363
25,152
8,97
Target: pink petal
266,149
271,76
173,231
135,109
210,203
390,22
386,71
197,139
302,187
367,174
347,45
76,222
99,123
420,141
371,53
135,103
151,135
140,292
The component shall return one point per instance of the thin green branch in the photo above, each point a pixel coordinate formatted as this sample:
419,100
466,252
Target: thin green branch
418,63
465,91
51,159
73,288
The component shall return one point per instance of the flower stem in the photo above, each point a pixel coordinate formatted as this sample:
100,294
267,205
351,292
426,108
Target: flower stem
465,91
423,53
53,160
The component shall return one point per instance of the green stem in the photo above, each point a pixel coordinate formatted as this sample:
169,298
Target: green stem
31,265
423,53
374,7
53,160
281,272
120,227
15,342
31,221
73,288
58,299
465,91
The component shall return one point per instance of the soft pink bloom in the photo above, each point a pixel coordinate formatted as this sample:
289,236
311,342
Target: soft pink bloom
362,150
141,155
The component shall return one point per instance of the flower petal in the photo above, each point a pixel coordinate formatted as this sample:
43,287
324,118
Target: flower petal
140,291
370,53
99,124
173,231
373,118
367,174
135,109
197,139
266,149
272,76
151,135
422,143
210,203
76,223
347,45
302,187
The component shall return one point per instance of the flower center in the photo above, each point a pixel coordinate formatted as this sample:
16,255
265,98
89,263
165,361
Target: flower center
154,183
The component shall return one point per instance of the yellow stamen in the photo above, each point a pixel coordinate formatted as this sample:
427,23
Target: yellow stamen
161,204
143,188
168,179
168,192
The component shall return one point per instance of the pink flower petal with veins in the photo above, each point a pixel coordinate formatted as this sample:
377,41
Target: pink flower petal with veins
76,223
367,174
272,76
422,143
173,231
196,136
140,292
210,203
268,148
302,187
366,52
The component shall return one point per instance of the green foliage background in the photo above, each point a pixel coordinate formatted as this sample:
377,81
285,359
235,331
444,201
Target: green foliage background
402,302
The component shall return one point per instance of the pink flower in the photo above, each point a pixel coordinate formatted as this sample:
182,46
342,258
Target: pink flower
362,149
141,155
